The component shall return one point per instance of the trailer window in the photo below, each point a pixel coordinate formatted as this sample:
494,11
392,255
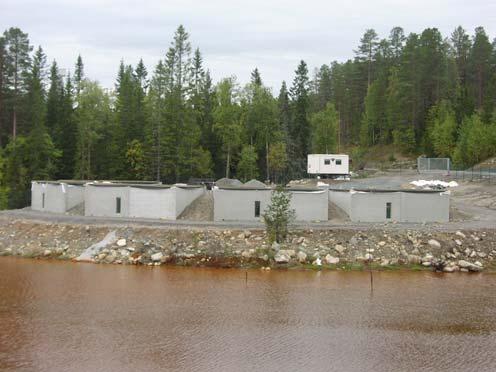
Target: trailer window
338,161
257,208
327,161
388,210
118,205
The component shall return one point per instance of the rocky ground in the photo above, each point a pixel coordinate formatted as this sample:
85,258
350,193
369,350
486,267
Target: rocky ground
466,250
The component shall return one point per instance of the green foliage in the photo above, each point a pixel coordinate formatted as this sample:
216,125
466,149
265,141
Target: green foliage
476,141
247,166
203,163
443,127
227,119
278,160
16,172
324,130
92,115
135,157
405,139
278,215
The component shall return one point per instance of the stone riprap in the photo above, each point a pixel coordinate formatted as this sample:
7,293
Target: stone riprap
465,251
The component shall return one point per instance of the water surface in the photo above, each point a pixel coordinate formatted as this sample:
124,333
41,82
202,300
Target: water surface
61,316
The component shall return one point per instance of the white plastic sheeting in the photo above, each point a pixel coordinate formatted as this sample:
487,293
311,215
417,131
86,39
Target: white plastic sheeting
434,183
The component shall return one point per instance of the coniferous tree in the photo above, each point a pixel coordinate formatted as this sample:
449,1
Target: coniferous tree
299,129
17,63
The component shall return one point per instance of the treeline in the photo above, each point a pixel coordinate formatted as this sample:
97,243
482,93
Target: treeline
421,92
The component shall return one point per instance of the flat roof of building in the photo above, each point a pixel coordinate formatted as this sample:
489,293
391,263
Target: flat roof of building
142,185
269,188
373,190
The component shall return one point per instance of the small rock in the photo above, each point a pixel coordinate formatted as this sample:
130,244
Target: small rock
460,234
246,254
275,246
368,257
385,262
381,243
330,260
413,259
157,257
300,240
247,234
121,243
470,266
47,252
317,262
434,243
281,257
339,248
458,242
426,263
301,256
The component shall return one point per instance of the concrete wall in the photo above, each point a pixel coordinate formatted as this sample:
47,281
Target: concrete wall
310,205
152,203
425,207
239,204
186,196
371,206
405,206
140,202
74,195
101,201
342,199
59,197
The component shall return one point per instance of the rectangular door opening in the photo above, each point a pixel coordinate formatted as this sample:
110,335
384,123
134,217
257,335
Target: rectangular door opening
388,210
43,200
257,208
118,205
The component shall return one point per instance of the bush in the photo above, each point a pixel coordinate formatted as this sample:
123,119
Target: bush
278,215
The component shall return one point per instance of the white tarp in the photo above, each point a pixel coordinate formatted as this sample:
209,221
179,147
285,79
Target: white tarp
434,183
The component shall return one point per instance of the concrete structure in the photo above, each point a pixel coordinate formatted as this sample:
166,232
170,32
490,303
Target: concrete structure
328,164
56,196
249,203
393,205
138,200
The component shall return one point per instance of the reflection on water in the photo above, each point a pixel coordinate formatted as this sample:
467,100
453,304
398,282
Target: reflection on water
60,316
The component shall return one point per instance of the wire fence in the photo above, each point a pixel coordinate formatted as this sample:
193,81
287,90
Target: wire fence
474,174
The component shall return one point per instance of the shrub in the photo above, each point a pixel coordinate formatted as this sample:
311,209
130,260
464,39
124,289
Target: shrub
278,215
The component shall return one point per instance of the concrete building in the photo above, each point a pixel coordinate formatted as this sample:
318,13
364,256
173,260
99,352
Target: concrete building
56,196
249,203
393,205
138,200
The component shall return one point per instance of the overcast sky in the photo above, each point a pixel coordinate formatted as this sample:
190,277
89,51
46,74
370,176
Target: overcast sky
233,36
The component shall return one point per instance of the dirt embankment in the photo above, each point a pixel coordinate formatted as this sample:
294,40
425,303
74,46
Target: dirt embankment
337,249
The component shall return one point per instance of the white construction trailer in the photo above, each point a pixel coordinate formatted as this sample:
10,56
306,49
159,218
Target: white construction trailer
333,165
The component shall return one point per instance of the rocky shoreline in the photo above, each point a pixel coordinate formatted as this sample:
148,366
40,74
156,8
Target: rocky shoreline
381,249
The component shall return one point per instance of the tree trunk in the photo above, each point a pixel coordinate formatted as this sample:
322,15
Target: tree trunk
228,161
267,157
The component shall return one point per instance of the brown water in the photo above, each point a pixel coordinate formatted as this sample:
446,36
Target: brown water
60,316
